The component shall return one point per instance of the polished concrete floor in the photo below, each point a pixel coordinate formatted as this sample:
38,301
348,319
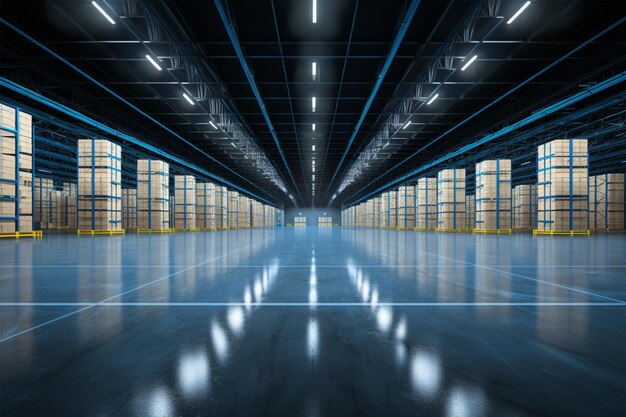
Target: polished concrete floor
313,322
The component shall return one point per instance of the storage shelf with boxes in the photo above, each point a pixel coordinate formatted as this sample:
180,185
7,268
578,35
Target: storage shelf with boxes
562,187
153,196
185,203
493,197
451,200
99,187
406,207
606,202
525,207
205,206
16,173
426,204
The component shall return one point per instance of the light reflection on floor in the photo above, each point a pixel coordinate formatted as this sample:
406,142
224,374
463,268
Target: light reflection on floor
314,324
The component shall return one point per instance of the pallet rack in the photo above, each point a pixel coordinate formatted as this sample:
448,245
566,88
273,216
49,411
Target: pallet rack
153,197
426,204
451,200
184,203
99,187
493,196
563,187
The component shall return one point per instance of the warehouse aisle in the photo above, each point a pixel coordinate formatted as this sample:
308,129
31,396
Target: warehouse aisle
313,322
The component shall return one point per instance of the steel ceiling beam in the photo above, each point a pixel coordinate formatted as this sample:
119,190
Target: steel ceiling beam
244,65
588,92
404,26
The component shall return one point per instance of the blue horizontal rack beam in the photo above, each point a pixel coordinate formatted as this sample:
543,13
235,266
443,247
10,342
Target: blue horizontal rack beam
4,82
569,101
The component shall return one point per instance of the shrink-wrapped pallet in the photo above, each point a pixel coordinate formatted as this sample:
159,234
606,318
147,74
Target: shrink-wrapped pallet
563,186
206,194
99,185
129,208
16,171
606,202
426,204
470,212
184,202
406,207
451,200
525,207
493,195
153,195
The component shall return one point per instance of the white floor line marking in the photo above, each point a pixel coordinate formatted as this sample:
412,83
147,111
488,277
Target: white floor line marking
128,291
306,304
318,266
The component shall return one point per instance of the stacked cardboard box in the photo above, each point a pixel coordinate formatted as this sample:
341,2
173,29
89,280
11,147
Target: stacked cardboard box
184,202
493,195
205,205
563,186
153,195
99,185
57,201
257,215
376,210
69,204
43,202
525,207
16,171
129,208
426,203
606,202
233,209
406,207
299,221
451,200
393,209
470,212
325,221
221,207
384,210
244,212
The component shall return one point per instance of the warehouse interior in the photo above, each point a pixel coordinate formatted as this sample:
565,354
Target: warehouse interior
312,208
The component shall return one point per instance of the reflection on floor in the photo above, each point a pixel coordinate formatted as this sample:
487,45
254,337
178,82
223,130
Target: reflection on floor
313,322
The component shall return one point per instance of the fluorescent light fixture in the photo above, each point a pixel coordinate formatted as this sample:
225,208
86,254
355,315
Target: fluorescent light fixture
385,145
525,163
188,99
432,99
233,144
313,177
313,126
519,12
314,70
406,125
313,103
468,63
313,148
313,168
153,62
246,156
314,11
101,10
44,170
212,124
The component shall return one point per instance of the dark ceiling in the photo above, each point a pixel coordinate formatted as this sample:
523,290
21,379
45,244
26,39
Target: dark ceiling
350,44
